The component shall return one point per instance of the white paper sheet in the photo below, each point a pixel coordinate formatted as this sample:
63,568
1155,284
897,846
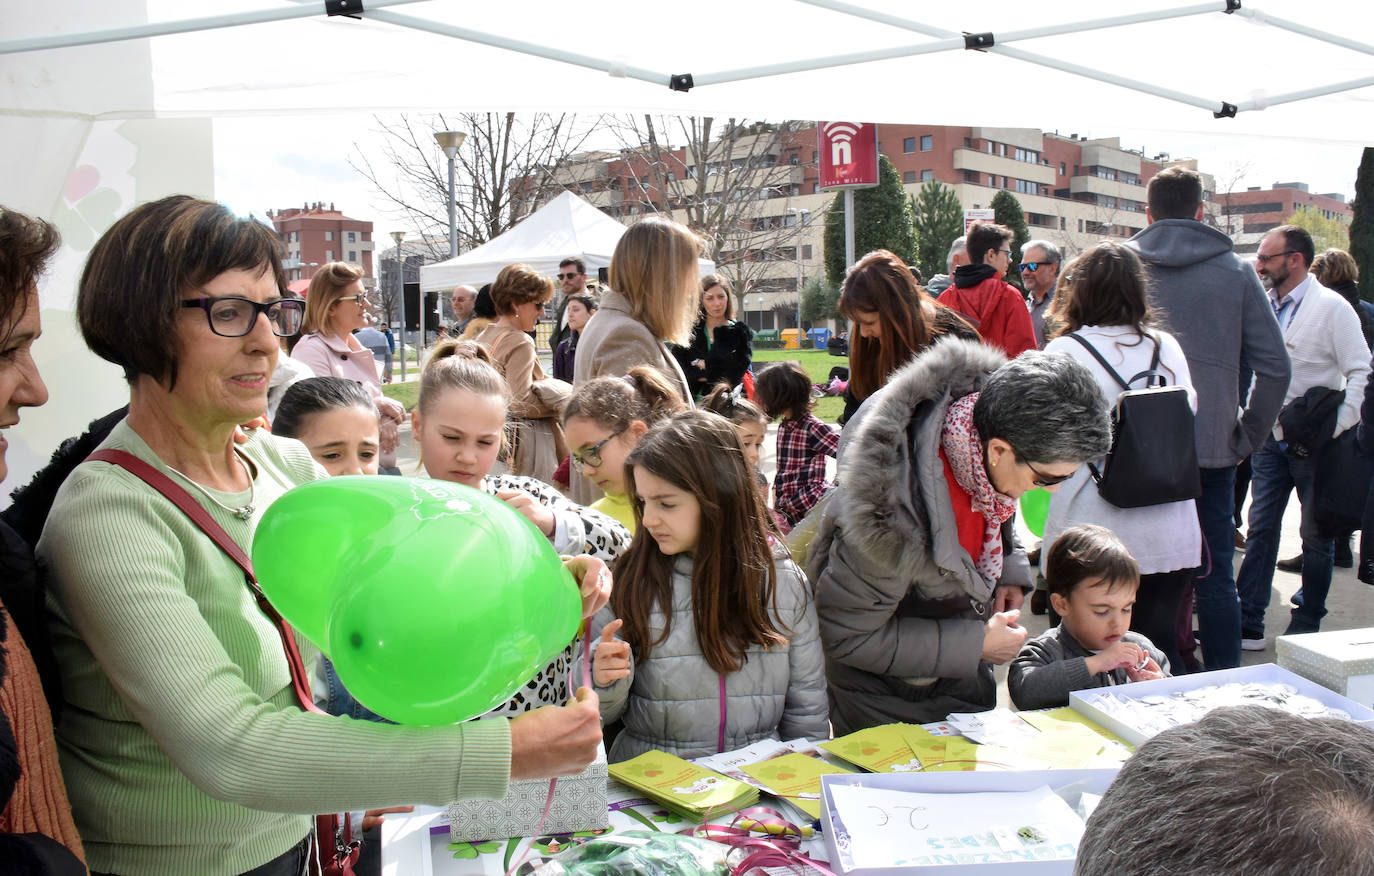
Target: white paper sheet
886,828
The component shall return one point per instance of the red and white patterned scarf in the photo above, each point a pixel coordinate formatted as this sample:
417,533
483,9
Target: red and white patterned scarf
964,451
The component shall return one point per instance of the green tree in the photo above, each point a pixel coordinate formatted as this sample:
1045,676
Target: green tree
939,220
882,220
1326,233
820,300
1362,224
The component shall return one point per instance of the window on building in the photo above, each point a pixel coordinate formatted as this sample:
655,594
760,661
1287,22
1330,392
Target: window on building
1063,169
329,254
352,237
1080,226
353,255
806,251
815,187
1062,223
968,142
794,159
329,235
927,175
1002,149
992,180
1004,182
909,144
989,144
927,142
971,176
908,176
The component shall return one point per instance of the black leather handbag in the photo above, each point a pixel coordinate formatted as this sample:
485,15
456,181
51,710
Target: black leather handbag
1153,457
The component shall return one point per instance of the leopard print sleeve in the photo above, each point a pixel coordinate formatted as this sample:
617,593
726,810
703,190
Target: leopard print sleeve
589,532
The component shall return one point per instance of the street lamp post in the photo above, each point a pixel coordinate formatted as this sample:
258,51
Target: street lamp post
801,223
449,141
399,236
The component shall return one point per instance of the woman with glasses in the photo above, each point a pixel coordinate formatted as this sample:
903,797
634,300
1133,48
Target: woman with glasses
335,307
1104,299
188,742
919,577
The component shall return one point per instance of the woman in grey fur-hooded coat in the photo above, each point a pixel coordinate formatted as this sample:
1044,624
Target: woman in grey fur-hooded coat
909,574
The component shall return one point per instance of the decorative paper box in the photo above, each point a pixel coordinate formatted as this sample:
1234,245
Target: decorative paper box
1085,701
1342,660
1094,781
579,803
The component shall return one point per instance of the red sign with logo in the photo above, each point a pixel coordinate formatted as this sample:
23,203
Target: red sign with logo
848,154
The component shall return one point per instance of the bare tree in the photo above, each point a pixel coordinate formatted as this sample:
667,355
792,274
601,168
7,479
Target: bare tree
504,169
729,180
1219,211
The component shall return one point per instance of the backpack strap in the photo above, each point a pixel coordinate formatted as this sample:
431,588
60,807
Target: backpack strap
1152,373
1125,384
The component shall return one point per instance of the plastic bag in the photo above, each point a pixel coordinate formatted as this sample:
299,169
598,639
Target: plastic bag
636,852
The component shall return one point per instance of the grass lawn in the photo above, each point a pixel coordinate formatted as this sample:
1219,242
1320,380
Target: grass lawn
817,364
405,393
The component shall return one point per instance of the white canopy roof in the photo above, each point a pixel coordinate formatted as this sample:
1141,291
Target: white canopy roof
566,226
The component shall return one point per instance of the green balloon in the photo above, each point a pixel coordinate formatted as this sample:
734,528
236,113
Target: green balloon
1035,507
438,601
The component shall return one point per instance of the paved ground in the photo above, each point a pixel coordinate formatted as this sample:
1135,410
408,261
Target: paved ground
1350,603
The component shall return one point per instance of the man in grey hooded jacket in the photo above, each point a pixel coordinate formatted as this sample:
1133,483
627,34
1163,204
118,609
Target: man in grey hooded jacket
1213,303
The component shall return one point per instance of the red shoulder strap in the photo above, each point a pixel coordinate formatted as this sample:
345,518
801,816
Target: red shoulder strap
178,496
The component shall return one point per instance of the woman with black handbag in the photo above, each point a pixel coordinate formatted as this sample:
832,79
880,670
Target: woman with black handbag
1104,301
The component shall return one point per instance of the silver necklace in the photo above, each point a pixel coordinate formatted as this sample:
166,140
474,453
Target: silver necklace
244,512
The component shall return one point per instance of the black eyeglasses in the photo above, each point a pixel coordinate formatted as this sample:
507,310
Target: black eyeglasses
1033,266
1043,480
592,456
1005,252
1264,259
234,317
568,276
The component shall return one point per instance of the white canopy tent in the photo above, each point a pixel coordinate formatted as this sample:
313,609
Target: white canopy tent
566,226
103,105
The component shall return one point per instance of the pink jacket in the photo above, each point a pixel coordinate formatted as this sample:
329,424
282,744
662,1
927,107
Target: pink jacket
329,356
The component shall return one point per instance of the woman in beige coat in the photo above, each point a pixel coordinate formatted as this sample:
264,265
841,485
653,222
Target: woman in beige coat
654,283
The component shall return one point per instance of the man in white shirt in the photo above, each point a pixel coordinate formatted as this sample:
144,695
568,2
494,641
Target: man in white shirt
1324,341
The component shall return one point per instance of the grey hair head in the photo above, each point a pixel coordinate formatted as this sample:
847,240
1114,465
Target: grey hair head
1247,790
959,245
1052,253
1047,406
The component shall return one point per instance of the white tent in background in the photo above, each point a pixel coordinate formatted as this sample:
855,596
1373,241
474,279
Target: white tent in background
566,226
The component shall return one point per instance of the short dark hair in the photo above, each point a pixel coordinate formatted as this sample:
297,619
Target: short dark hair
983,236
314,395
1047,406
26,244
130,291
1297,238
784,390
1084,552
575,262
1174,193
1246,791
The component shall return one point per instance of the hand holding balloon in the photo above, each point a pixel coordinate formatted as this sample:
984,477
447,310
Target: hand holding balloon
530,509
594,582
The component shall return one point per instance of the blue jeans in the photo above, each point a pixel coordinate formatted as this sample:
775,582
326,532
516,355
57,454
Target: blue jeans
338,701
1218,608
1276,474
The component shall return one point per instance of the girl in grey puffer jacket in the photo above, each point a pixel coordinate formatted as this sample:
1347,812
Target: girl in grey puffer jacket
720,647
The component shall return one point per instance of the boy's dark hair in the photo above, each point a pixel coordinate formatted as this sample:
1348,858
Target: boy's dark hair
983,236
1174,193
784,390
315,395
1084,552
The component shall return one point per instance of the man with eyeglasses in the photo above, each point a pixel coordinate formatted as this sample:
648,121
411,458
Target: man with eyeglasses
461,300
1214,306
1322,331
1039,273
994,307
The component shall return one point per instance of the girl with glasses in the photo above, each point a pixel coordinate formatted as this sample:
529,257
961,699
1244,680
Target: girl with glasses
336,306
1104,299
604,420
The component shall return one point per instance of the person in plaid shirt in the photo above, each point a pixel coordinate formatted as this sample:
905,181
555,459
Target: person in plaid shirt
804,442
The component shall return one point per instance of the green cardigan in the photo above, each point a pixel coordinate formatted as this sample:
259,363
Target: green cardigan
182,745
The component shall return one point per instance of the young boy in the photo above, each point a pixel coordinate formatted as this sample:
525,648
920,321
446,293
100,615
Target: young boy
1092,581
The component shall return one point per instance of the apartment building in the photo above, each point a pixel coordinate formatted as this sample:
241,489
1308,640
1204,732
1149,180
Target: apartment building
1247,215
1074,190
316,233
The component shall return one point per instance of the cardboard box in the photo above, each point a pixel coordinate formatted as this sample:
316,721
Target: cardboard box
1085,701
579,803
1342,660
1094,781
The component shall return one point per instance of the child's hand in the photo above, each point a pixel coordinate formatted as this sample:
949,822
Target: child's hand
1002,638
528,506
593,582
1121,655
1149,672
612,659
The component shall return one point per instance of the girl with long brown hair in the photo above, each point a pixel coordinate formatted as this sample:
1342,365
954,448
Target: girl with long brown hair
720,621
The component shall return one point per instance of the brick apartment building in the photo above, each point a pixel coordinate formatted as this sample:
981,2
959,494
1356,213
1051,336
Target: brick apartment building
314,234
1247,215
